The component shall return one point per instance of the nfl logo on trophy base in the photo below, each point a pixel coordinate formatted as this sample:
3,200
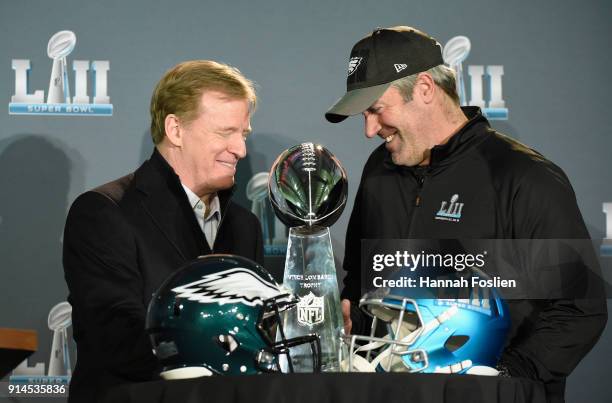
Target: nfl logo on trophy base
310,310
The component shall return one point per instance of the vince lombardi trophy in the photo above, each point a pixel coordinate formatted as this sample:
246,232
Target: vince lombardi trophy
308,191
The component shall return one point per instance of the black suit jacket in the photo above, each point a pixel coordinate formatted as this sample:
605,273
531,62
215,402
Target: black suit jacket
121,241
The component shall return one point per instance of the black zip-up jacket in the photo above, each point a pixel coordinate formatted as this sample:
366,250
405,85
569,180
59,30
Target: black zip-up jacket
508,191
121,241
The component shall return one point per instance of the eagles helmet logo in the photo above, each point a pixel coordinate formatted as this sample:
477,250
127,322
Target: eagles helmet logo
230,286
353,64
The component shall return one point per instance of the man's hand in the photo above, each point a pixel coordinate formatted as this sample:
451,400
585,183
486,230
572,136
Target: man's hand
346,315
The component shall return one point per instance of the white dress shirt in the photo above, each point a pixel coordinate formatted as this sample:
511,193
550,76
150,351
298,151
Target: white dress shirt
209,223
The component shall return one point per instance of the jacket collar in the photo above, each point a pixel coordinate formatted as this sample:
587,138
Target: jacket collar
166,202
457,146
158,176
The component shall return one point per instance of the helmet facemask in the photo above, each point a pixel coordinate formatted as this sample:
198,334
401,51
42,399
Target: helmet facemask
396,351
402,327
270,327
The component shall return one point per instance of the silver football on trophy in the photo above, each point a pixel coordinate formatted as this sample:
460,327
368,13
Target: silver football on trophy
307,186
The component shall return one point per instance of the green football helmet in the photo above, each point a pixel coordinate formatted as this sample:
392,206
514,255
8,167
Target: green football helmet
221,314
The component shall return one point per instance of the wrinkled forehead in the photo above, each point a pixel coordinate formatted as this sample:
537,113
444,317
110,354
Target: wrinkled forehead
211,99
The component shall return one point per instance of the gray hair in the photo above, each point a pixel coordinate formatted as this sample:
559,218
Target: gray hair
443,76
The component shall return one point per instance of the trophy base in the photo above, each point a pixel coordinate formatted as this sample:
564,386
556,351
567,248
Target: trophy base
310,274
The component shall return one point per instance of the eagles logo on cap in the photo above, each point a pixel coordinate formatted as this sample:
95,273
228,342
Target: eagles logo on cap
353,64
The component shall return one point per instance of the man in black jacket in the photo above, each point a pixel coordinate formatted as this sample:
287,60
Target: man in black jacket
124,238
436,154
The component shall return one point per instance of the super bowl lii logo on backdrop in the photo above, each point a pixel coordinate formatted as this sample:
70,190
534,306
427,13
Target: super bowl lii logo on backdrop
59,100
60,368
455,53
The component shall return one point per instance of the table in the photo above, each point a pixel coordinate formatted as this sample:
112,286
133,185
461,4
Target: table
334,387
15,346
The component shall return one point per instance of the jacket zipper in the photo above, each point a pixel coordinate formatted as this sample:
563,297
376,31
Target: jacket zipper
417,201
420,180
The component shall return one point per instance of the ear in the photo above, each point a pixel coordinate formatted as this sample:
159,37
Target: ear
173,130
425,88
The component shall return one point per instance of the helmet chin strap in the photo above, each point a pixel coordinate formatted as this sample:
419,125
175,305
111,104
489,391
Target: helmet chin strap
454,368
482,370
185,373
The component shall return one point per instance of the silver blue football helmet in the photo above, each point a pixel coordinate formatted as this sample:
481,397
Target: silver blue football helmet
430,334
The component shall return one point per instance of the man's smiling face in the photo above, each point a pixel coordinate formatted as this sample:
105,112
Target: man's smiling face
214,142
398,123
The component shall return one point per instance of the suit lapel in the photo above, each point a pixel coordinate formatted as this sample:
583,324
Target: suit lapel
166,204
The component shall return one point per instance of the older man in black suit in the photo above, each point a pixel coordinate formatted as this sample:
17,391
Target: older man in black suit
124,238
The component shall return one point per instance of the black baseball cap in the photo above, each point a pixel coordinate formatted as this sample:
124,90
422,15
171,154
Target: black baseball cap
380,58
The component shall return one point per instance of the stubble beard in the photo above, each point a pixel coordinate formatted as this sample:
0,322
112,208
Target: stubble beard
410,153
